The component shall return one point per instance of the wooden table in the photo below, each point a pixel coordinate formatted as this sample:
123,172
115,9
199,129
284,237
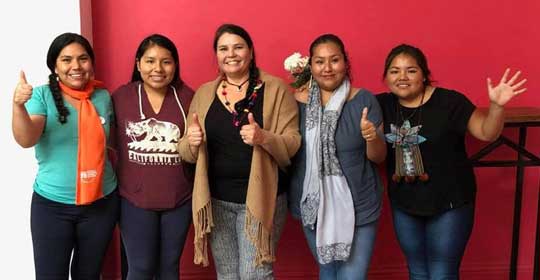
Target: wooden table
522,118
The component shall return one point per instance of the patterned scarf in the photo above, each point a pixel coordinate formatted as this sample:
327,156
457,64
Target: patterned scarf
326,198
92,141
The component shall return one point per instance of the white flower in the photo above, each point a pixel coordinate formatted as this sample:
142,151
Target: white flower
295,63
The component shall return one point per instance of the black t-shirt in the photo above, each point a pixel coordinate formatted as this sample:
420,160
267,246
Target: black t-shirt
444,118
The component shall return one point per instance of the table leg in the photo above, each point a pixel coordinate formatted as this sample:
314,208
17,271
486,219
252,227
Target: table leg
537,242
517,207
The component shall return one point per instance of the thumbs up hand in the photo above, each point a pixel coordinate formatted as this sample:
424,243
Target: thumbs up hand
23,91
194,132
369,132
251,133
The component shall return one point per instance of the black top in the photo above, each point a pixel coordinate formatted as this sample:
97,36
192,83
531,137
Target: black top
444,118
229,158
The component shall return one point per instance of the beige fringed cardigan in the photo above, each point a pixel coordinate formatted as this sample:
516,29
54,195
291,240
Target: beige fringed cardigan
281,142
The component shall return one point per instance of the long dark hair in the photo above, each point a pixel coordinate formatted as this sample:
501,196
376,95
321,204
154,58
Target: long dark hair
413,52
57,45
254,72
331,38
164,42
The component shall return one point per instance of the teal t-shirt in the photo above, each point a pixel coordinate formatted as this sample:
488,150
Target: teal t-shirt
56,151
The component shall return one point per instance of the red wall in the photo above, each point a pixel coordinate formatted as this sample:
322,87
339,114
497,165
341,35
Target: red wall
465,42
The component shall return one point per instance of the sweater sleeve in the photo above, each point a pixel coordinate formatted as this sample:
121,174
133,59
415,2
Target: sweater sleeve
283,142
183,144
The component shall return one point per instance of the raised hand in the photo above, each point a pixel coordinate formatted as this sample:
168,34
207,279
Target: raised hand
23,91
369,132
251,133
506,89
194,132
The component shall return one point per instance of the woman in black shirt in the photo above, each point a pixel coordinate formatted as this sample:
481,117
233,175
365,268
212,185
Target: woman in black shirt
431,181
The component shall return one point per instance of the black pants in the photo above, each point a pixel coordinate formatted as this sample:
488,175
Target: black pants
154,240
59,229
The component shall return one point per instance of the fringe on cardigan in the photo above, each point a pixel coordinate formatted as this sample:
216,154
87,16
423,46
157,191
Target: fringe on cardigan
202,226
261,239
257,234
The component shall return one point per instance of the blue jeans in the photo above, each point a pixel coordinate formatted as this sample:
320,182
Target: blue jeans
434,245
356,266
154,240
58,230
234,254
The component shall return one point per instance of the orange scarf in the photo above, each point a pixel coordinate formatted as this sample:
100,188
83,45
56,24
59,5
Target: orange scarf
92,141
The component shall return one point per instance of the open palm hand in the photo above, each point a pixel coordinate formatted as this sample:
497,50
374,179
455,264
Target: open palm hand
506,89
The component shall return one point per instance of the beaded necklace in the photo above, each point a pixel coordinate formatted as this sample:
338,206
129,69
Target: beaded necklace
246,104
406,140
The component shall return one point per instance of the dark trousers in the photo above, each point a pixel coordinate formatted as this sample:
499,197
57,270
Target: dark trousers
434,245
154,240
59,229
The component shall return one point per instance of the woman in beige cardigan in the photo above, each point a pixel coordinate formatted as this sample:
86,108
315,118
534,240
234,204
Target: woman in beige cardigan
243,132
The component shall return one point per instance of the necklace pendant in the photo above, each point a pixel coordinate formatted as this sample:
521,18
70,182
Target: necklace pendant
406,125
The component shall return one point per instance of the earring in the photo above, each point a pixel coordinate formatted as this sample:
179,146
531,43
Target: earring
310,81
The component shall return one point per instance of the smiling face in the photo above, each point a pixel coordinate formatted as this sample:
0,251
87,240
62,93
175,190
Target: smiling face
157,68
328,66
405,78
74,66
233,55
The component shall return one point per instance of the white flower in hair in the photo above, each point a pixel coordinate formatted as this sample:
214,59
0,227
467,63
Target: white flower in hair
295,63
297,66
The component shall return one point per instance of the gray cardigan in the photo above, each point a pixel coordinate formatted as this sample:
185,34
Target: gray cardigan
361,174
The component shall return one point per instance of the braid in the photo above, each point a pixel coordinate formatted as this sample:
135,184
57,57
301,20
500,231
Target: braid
253,78
58,100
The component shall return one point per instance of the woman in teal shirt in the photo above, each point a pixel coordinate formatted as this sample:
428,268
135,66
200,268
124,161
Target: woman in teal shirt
74,205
